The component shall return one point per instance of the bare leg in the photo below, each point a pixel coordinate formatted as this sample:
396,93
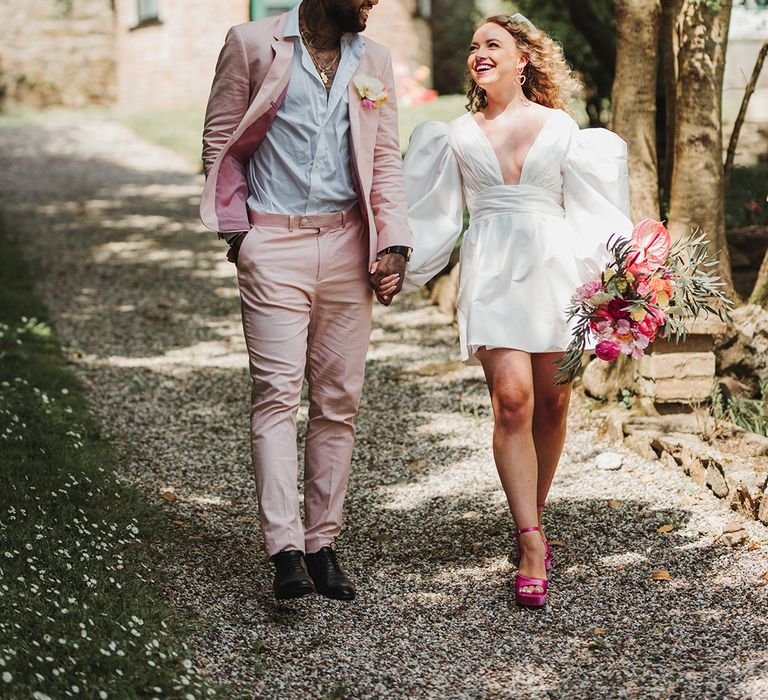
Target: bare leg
550,417
509,375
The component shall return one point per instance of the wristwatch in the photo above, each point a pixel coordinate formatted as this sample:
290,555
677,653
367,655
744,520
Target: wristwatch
403,250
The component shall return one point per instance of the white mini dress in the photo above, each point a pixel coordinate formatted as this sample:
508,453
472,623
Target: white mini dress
528,246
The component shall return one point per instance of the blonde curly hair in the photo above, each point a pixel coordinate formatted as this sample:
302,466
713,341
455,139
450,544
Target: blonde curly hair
549,80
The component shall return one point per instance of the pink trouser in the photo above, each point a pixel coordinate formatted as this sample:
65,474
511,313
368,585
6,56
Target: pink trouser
306,308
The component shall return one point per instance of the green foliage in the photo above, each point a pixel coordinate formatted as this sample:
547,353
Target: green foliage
750,414
697,286
453,23
745,201
80,605
553,17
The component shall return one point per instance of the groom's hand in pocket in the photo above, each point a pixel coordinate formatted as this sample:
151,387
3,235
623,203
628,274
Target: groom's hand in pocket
235,242
387,276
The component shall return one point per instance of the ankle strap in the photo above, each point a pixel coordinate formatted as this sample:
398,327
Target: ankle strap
523,530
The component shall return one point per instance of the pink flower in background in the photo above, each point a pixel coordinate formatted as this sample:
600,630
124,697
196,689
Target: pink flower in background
607,350
650,243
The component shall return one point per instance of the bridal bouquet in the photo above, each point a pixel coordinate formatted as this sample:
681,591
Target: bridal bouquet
651,288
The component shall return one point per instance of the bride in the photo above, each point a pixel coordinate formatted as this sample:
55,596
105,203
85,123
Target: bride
543,199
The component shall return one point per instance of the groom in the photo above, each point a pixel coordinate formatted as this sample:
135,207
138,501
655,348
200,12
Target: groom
304,181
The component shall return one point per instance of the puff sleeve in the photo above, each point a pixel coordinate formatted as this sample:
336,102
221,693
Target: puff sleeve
595,194
435,201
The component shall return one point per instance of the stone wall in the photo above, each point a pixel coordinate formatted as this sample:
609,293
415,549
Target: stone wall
56,52
171,63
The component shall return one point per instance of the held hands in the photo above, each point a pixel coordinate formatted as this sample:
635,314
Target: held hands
386,277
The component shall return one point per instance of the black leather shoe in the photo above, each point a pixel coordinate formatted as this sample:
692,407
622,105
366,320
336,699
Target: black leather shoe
328,576
291,578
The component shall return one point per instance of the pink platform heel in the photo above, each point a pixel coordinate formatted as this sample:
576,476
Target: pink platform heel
547,549
530,599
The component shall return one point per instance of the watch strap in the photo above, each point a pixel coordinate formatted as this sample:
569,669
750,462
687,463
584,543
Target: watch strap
403,250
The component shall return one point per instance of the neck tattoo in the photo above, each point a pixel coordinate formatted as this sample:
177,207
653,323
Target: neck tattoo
325,69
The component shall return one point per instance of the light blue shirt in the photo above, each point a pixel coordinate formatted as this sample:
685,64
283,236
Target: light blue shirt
303,165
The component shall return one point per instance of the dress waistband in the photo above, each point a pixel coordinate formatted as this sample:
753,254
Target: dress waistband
515,199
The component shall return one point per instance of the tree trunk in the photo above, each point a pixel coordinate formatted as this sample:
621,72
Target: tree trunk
697,196
634,100
760,291
669,45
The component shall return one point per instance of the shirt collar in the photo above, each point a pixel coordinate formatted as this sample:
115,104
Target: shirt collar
291,30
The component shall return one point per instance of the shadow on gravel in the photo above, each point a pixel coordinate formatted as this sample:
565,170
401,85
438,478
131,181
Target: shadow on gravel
148,309
134,233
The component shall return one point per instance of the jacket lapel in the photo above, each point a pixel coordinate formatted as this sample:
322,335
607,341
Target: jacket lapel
362,126
275,81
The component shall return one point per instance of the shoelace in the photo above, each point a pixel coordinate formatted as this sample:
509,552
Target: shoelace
332,559
296,564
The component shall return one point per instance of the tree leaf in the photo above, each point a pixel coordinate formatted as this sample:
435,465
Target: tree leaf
661,575
666,528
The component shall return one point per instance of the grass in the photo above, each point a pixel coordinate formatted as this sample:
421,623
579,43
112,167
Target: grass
81,610
181,129
750,414
444,108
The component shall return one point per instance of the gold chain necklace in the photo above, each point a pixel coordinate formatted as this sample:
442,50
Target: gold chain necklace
322,68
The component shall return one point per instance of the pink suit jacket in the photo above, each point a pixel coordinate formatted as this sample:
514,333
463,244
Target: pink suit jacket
249,87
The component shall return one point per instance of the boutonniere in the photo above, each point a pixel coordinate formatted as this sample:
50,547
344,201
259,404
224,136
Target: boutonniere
372,91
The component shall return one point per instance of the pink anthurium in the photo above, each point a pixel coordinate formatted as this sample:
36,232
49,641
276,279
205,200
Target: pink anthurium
650,247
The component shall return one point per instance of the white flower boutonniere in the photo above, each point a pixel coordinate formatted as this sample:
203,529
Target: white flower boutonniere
372,91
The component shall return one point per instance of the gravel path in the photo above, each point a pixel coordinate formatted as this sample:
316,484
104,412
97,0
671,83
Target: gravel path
147,309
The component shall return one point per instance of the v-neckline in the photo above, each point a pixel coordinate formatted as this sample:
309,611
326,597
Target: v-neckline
492,150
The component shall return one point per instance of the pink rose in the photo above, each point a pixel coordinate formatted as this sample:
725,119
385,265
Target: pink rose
601,320
649,326
368,104
606,350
